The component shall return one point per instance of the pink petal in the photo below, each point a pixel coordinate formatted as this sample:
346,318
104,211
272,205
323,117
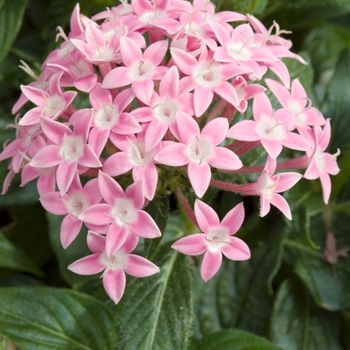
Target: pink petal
149,174
70,229
131,53
244,130
199,176
272,147
216,130
154,134
109,188
183,60
126,125
237,250
193,244
264,206
54,131
210,265
188,128
47,157
96,242
170,83
202,99
144,226
96,215
156,52
117,77
135,193
206,216
279,202
117,164
326,186
138,266
173,155
286,180
53,203
89,265
233,220
115,238
261,106
64,175
98,139
89,158
225,159
143,89
280,91
227,92
114,284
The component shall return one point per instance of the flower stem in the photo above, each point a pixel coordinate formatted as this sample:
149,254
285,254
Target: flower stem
186,207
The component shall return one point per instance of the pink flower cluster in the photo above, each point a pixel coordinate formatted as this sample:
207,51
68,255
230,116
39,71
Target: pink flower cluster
152,85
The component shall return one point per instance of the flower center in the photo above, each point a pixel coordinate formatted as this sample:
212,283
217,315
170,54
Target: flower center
137,154
76,204
208,73
141,70
117,261
106,117
199,150
216,239
72,148
166,111
124,212
53,105
239,52
269,128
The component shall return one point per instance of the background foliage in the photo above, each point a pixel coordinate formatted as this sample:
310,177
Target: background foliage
287,293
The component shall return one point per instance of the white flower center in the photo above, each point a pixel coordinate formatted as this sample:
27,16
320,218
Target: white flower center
199,150
106,117
117,261
53,105
150,15
137,154
76,204
216,239
266,185
103,53
141,70
319,158
208,73
72,148
124,212
166,110
239,52
270,128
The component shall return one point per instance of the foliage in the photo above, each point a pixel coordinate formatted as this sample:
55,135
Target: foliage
287,296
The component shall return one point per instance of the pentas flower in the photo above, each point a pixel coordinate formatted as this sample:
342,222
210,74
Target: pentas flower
206,77
114,265
297,102
272,128
164,109
50,104
133,155
122,211
72,204
109,116
321,163
215,239
140,68
200,150
69,150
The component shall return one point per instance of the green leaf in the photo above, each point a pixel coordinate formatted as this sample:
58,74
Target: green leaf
157,312
41,318
233,339
298,324
241,6
240,295
65,257
13,258
11,14
328,284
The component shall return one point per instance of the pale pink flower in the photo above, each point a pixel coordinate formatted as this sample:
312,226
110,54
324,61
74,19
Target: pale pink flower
215,239
134,156
122,211
115,265
272,128
72,204
321,163
69,150
297,102
140,68
206,77
200,150
49,104
269,186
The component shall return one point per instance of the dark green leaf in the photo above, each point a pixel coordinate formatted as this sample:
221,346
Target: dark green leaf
297,324
40,318
233,339
11,13
241,6
13,258
156,313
